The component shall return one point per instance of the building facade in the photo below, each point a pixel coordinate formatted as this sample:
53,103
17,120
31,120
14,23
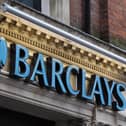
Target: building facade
52,52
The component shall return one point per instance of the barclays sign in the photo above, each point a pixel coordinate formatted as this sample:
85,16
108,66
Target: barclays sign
3,52
53,75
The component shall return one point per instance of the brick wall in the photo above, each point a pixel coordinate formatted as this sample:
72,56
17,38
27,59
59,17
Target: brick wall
95,18
117,22
104,23
77,13
99,19
108,21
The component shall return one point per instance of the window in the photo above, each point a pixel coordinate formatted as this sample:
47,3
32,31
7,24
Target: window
58,9
71,12
36,4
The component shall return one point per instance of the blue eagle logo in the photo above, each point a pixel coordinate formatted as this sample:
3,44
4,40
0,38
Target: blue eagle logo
3,52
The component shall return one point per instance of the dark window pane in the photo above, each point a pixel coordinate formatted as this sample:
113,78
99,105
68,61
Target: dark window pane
27,2
36,4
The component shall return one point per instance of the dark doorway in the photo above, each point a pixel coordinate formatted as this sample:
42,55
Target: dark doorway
12,118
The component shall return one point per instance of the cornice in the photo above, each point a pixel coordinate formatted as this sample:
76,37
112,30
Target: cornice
36,38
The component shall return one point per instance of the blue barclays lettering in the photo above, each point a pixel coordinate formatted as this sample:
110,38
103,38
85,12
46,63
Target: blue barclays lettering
52,74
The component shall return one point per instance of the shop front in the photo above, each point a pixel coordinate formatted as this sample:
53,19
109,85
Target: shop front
51,77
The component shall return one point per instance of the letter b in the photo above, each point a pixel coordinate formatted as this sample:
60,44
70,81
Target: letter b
19,67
